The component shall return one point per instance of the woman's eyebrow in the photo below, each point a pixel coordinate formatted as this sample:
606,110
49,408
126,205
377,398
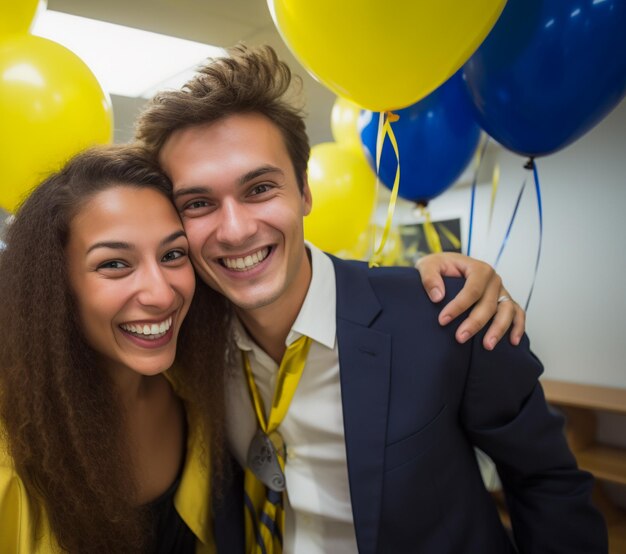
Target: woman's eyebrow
117,245
111,244
173,237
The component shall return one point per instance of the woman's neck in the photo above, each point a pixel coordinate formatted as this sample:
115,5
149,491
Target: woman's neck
154,422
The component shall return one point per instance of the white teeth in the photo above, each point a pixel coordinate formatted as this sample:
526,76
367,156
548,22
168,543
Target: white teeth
152,331
247,262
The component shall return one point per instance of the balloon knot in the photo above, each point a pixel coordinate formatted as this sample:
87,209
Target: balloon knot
392,117
530,164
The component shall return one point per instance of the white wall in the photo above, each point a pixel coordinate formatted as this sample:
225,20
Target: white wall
577,315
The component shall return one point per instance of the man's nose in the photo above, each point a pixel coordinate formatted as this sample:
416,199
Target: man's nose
236,224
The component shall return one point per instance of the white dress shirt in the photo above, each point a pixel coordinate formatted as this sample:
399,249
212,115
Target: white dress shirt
318,515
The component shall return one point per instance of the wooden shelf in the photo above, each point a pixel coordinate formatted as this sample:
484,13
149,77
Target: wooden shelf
617,538
593,397
605,462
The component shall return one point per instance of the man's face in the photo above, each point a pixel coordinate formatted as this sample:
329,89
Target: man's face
237,193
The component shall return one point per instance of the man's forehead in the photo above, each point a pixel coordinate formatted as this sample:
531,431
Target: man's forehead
240,144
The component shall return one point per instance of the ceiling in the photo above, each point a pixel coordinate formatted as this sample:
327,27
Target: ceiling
218,22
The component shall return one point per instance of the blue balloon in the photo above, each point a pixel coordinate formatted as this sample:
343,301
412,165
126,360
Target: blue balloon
548,72
437,138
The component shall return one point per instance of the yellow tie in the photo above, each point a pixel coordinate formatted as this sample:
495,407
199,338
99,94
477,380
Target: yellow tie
264,509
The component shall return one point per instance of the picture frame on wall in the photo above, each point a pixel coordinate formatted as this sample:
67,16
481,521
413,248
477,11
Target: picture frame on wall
415,243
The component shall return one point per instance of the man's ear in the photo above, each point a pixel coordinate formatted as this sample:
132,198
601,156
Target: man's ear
307,198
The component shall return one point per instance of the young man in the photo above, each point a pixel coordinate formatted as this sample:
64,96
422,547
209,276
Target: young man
348,391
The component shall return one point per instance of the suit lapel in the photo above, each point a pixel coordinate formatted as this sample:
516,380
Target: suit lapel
364,361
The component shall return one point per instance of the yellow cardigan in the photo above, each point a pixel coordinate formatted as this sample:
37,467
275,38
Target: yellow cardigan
192,501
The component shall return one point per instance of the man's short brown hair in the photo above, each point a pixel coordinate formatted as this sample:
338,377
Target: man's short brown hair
248,80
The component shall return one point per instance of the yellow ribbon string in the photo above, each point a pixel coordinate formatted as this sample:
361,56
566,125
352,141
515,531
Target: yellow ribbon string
452,238
478,160
432,237
379,150
495,182
384,131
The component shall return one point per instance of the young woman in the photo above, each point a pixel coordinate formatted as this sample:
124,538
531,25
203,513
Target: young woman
99,450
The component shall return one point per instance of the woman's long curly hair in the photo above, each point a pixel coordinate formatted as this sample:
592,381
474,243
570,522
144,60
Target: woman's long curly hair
59,411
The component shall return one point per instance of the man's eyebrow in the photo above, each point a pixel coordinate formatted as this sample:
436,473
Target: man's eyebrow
190,190
245,178
258,172
115,245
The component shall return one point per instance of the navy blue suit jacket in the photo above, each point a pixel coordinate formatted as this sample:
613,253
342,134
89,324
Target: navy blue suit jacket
415,403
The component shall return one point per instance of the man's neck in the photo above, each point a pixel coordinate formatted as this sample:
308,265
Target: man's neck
269,325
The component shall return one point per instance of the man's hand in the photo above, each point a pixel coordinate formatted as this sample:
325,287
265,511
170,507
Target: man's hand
483,289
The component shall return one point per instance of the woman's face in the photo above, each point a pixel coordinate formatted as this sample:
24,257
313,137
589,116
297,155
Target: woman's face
130,272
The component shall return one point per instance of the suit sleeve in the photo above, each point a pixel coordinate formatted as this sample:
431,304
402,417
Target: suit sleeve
505,414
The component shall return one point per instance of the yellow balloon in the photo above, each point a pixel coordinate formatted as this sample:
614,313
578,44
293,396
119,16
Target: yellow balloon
344,119
17,15
344,191
384,55
51,107
370,239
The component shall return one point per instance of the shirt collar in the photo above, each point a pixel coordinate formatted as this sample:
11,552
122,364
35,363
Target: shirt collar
316,318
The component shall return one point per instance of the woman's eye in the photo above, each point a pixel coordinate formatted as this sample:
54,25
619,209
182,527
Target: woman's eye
113,264
174,255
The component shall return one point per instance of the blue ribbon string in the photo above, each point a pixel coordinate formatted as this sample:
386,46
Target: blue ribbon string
473,198
533,165
512,220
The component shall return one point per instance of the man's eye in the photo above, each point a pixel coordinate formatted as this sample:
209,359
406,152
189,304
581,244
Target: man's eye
174,255
260,189
196,204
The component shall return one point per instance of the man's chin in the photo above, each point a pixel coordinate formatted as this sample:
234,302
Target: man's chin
251,302
246,295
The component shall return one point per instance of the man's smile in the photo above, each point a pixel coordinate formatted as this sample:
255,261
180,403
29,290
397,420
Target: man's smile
248,262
